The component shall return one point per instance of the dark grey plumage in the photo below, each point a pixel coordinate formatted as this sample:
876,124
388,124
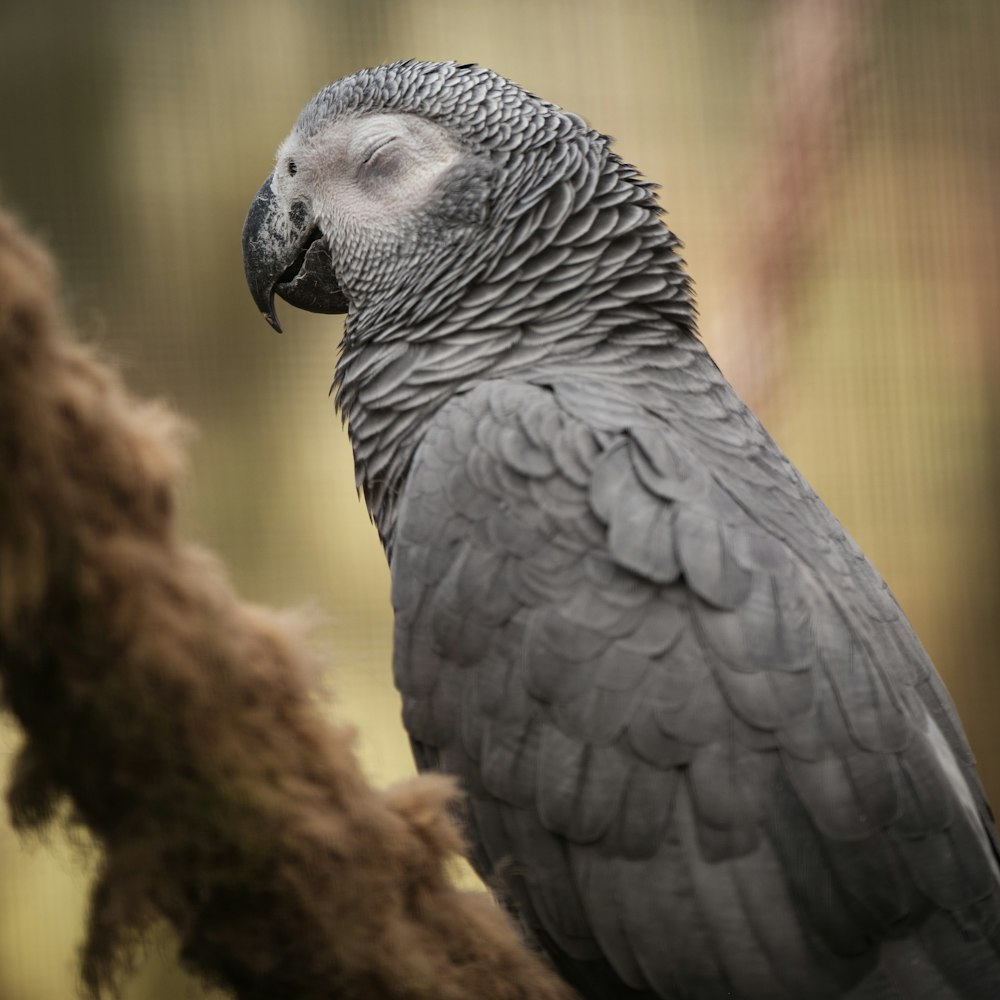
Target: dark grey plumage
705,754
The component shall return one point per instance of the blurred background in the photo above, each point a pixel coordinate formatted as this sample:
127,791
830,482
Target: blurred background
832,166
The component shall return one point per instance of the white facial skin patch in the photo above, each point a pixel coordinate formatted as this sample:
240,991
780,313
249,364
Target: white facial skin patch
365,172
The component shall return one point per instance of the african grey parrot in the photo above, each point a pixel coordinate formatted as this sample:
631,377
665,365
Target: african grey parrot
705,754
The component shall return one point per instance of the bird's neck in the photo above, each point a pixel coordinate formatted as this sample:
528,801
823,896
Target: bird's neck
601,290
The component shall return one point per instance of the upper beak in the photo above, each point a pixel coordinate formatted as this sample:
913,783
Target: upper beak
284,252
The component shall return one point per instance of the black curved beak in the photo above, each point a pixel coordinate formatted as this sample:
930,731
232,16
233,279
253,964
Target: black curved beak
284,253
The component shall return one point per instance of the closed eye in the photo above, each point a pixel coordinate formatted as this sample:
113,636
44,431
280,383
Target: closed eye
379,145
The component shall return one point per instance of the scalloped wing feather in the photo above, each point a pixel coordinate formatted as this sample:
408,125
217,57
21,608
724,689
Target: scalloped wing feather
702,746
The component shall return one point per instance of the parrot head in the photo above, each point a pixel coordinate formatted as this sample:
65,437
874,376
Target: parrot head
392,176
352,205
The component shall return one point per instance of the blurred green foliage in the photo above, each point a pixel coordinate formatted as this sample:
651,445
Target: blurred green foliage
134,136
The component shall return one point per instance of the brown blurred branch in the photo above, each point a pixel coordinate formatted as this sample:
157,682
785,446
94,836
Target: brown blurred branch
180,723
813,61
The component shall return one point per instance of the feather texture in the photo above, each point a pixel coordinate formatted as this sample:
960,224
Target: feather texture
745,789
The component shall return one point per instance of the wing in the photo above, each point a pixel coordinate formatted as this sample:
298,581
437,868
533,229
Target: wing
703,749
